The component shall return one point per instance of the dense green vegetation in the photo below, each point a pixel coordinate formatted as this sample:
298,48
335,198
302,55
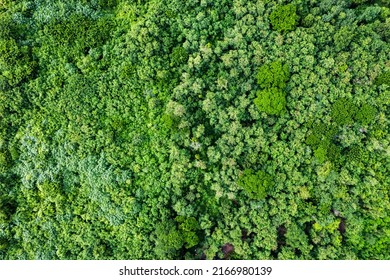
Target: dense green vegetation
284,18
194,129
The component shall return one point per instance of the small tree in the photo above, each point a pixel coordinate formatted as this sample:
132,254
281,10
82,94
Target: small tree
272,77
383,79
284,18
272,101
366,114
179,56
274,74
343,111
256,184
188,228
168,240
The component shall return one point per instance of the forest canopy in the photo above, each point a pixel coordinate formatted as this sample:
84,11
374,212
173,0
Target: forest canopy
194,129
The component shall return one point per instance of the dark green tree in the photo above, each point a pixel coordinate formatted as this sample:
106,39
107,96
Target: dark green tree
344,111
383,79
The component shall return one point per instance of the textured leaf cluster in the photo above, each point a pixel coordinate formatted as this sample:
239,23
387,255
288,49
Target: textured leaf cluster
194,129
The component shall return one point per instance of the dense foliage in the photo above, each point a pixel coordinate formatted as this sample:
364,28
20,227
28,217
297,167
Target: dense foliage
193,129
284,18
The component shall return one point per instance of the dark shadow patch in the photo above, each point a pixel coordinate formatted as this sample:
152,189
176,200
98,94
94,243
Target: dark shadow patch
342,226
298,252
244,234
9,207
227,250
281,240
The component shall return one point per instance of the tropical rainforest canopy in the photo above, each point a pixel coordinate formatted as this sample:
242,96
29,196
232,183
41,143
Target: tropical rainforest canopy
194,129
